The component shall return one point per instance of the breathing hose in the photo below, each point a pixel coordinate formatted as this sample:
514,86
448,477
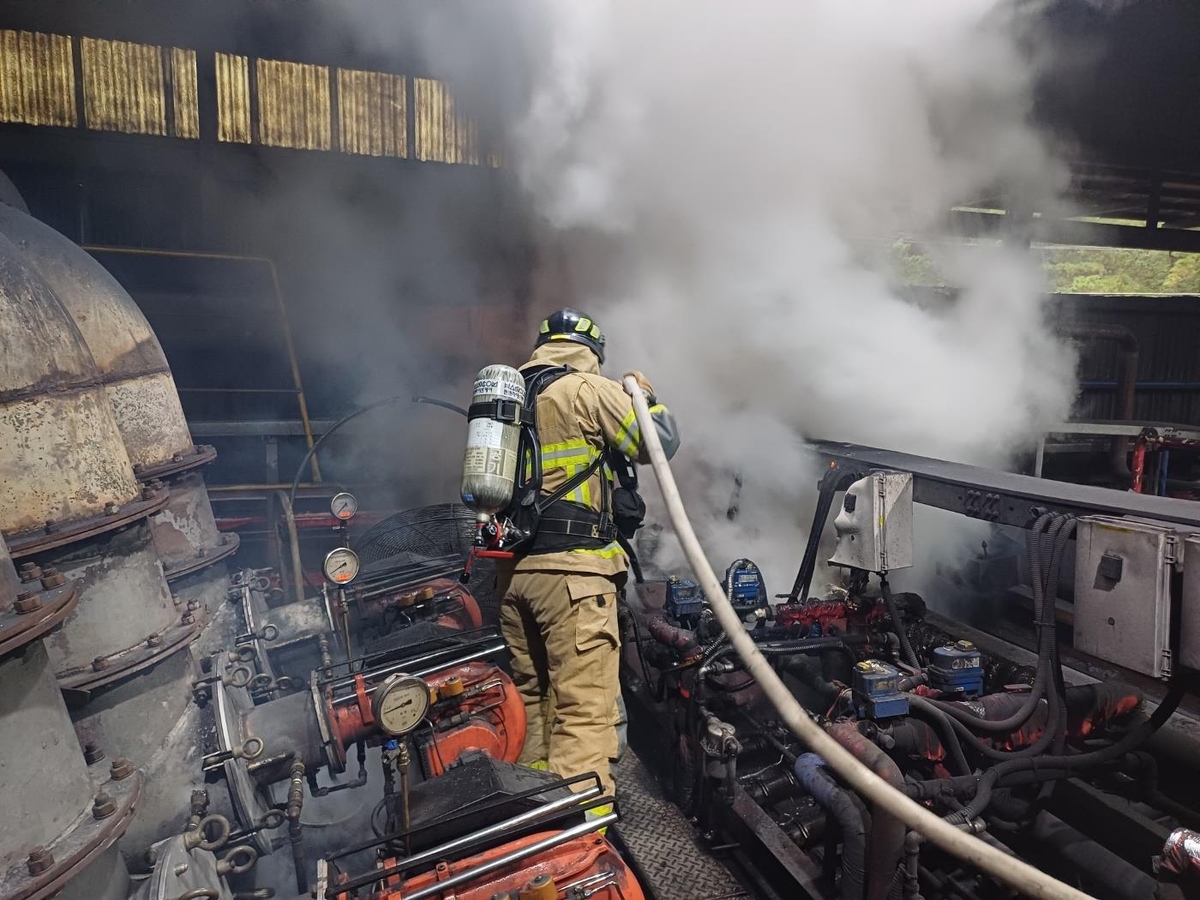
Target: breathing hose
1019,875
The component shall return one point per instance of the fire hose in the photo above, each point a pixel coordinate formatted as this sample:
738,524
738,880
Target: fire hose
1019,875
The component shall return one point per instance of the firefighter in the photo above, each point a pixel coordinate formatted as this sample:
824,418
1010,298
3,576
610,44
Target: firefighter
559,607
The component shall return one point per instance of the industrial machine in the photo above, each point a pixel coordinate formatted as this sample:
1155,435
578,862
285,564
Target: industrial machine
1062,751
168,725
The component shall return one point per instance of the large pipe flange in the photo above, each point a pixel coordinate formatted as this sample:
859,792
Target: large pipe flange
48,867
54,534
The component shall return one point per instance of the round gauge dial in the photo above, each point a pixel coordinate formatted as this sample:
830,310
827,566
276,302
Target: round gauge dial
341,565
400,703
343,506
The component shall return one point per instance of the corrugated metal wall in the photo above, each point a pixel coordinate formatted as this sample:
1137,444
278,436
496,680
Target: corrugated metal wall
153,90
1168,334
372,113
233,98
37,79
185,93
293,105
123,87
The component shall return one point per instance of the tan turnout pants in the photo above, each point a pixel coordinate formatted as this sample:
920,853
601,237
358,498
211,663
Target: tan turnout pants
561,629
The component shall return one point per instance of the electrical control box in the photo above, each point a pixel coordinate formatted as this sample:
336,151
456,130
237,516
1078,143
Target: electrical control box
875,524
744,585
1189,613
1123,592
957,668
876,690
684,598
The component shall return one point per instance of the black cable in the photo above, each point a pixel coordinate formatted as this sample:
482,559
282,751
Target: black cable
954,752
906,647
353,415
1043,636
832,481
1069,764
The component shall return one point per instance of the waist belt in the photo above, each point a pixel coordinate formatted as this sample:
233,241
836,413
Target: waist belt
569,526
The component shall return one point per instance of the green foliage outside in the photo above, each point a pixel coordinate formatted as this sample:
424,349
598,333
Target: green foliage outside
1079,270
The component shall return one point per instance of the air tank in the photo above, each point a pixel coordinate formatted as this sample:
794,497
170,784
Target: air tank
490,460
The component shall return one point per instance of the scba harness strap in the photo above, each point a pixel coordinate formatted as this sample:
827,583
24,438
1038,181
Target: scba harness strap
510,412
548,524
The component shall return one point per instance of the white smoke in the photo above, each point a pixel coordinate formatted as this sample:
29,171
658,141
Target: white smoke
731,171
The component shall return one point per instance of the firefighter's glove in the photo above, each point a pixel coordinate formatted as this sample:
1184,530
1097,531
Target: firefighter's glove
644,384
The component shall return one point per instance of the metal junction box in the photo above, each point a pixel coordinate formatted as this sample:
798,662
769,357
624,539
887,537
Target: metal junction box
875,524
1123,592
1189,626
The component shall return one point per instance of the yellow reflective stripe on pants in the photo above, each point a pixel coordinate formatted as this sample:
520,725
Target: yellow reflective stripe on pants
607,552
595,813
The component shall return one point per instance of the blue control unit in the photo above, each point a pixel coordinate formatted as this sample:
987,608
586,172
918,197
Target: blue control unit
747,585
684,598
876,690
957,668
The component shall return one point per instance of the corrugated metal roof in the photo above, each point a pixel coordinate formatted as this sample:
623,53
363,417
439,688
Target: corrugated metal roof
442,134
294,107
123,87
233,98
184,93
149,89
37,79
372,113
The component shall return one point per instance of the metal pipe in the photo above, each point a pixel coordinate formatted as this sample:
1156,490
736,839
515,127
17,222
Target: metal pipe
1126,386
508,859
433,854
885,841
294,540
295,829
404,667
283,316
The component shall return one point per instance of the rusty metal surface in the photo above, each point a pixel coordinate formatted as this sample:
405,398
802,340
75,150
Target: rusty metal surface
123,86
10,584
372,113
43,780
149,718
131,660
55,535
61,453
128,356
123,599
199,455
53,606
185,532
38,83
228,546
84,842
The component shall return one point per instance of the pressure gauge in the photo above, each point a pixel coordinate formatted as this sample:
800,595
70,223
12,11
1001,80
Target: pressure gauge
343,506
341,565
400,703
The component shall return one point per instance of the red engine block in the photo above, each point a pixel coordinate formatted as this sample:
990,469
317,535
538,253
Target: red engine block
477,708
